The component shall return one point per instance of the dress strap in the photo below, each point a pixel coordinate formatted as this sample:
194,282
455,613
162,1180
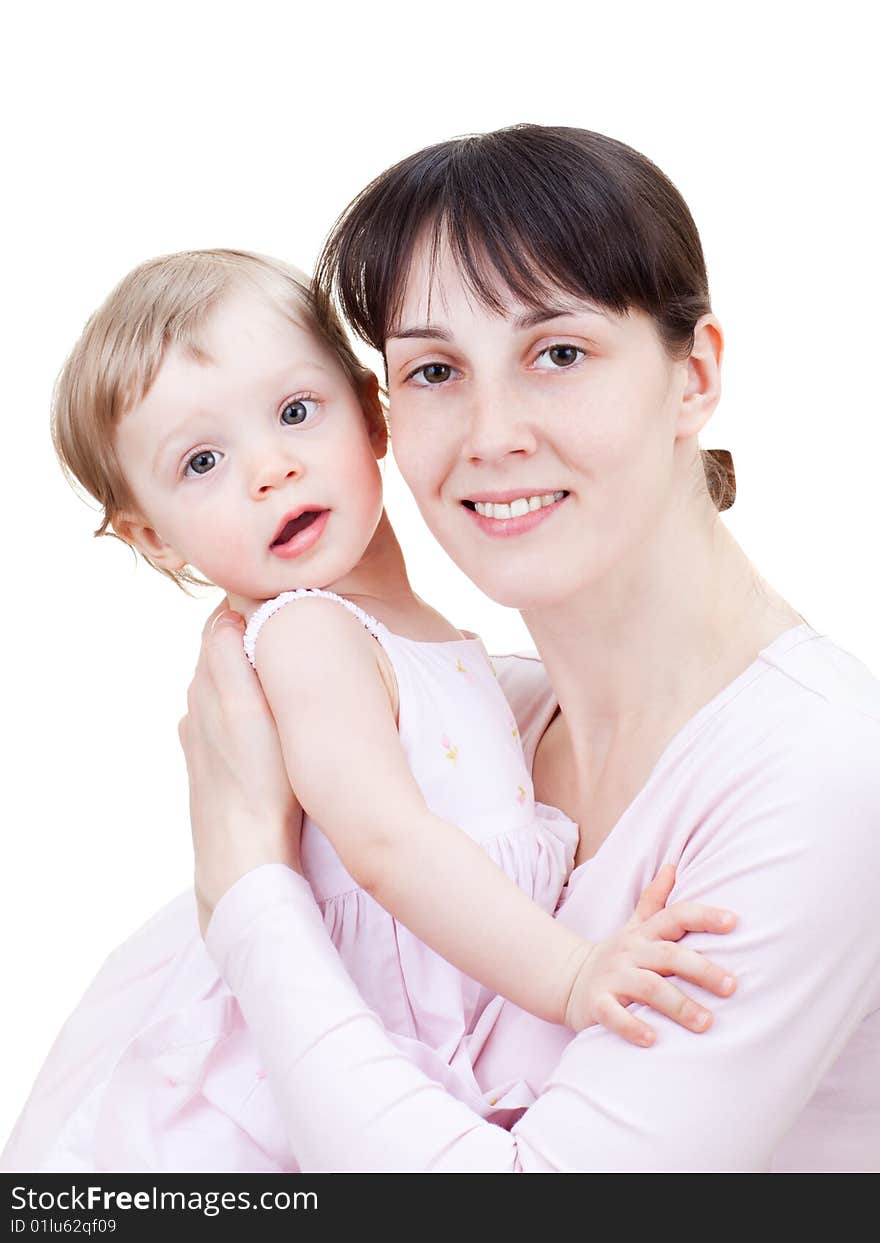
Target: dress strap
270,607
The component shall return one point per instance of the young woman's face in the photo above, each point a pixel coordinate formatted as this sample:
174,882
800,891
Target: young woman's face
253,463
542,447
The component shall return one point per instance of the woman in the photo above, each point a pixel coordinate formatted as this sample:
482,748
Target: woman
541,301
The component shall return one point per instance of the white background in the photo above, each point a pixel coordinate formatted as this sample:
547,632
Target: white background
137,130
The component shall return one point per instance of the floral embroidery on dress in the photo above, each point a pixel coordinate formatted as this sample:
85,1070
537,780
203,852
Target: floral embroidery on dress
520,795
461,667
451,751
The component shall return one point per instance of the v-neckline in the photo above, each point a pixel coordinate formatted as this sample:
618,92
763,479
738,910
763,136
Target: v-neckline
781,645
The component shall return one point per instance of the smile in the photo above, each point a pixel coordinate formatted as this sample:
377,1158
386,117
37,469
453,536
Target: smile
299,532
516,514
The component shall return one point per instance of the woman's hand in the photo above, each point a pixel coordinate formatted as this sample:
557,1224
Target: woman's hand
242,809
630,967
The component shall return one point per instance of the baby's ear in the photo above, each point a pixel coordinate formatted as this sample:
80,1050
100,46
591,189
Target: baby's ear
135,531
374,414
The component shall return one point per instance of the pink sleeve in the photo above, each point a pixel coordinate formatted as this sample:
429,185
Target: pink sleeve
335,1074
798,862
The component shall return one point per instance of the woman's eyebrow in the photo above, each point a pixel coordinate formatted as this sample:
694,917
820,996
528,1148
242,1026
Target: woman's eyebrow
541,314
529,319
422,331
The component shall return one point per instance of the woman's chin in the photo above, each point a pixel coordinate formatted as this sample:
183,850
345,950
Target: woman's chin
526,592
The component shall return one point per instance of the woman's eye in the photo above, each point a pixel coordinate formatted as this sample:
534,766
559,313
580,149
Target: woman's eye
432,373
559,356
296,412
202,462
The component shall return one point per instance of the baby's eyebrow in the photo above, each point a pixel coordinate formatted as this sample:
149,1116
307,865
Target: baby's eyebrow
282,377
176,433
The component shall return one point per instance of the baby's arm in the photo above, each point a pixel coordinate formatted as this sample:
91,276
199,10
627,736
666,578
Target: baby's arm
321,674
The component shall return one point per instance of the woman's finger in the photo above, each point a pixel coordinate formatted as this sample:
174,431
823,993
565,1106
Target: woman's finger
656,895
224,656
664,997
668,958
672,923
222,607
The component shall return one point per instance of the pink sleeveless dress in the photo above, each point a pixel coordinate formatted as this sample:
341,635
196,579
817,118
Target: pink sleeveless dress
155,1070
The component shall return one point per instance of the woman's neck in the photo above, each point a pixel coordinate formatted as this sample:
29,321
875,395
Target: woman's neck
637,655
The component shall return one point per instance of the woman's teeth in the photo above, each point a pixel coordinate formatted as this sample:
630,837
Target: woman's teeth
516,509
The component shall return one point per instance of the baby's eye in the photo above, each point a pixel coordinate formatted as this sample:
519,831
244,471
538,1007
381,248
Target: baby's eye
559,356
432,373
202,462
295,412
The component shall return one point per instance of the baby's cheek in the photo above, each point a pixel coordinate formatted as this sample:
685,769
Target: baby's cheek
226,558
363,484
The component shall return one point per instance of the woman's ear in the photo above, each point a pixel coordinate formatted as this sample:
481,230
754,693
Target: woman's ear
374,414
702,390
135,531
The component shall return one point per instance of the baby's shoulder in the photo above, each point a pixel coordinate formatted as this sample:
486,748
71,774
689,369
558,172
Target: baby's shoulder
309,628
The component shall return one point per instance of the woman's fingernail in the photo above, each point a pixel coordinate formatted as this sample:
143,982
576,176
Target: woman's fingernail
226,618
728,984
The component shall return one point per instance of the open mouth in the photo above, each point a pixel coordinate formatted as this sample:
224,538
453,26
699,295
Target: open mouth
295,525
516,508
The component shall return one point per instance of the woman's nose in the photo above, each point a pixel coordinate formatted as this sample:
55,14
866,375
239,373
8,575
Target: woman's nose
496,428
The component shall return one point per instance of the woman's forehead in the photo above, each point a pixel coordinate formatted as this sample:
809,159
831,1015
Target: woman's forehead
438,292
439,286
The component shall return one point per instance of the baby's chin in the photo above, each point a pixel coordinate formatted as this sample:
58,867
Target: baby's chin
246,600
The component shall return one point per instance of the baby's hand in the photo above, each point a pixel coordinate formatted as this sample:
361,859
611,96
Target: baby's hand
630,967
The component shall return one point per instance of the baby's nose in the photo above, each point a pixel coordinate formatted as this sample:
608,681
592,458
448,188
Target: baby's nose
271,475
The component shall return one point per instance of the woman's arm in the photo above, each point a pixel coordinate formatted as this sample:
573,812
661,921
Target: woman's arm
800,870
805,950
320,671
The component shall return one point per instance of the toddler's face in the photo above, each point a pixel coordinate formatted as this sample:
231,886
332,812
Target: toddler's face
254,464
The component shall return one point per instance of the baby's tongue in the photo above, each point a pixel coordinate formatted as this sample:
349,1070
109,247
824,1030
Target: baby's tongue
295,525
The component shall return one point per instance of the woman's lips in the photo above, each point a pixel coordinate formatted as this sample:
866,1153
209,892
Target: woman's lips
304,532
518,523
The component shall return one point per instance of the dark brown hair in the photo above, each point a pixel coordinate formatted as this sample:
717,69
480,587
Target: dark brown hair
541,209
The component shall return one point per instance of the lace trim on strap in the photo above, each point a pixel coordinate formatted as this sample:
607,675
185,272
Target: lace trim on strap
270,607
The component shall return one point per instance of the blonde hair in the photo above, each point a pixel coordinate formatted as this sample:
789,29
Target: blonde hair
161,303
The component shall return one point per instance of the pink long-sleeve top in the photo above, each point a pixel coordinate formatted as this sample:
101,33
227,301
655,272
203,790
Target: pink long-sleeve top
768,803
